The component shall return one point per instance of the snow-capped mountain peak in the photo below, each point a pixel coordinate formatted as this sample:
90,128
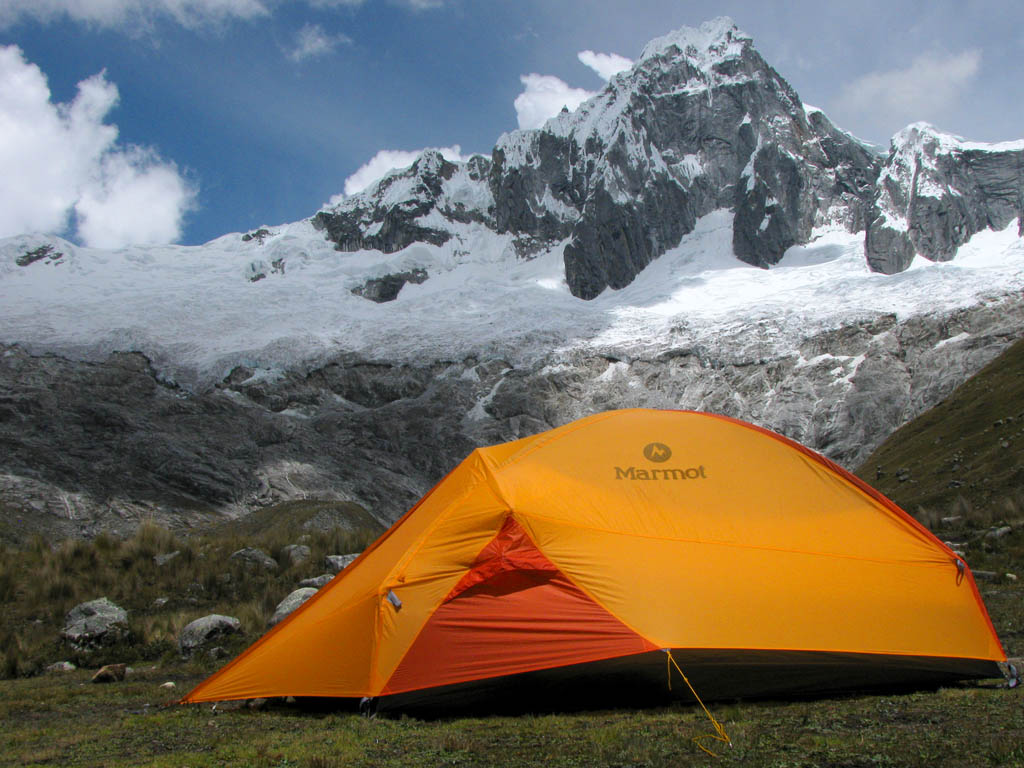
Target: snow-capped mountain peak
609,259
711,42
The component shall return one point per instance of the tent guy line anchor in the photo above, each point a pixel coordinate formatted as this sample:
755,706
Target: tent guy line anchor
719,734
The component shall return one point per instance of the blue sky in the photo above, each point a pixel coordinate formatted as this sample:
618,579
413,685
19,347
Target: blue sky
231,114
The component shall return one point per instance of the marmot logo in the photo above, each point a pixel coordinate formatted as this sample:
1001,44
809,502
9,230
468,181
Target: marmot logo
657,452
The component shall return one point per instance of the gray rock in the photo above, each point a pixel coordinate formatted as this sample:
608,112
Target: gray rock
317,581
935,192
206,630
387,288
162,560
381,221
998,533
61,666
94,624
254,559
290,603
293,554
741,140
337,562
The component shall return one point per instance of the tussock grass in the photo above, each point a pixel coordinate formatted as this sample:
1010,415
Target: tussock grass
40,583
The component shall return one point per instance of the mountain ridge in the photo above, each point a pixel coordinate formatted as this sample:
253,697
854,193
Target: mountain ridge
359,354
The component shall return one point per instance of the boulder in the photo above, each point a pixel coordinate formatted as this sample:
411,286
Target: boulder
162,560
294,554
205,630
111,673
317,581
254,559
94,624
290,603
337,562
61,666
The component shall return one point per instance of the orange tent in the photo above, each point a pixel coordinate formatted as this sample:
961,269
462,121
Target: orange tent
622,534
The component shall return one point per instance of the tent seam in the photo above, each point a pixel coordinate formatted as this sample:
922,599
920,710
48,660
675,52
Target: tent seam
935,564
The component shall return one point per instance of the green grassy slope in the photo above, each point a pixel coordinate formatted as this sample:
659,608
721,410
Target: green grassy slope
966,455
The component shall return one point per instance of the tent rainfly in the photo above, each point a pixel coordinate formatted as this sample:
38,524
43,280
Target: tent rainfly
763,567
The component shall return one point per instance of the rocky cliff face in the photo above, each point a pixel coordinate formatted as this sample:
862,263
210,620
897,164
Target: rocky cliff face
361,354
936,191
102,446
700,123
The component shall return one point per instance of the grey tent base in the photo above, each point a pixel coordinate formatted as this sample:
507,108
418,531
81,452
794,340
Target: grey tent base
642,680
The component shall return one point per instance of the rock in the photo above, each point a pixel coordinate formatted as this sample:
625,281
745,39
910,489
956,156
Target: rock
61,666
935,191
216,653
160,602
293,554
205,630
46,251
257,705
95,624
290,603
387,288
259,236
1010,576
952,520
254,559
317,581
387,222
337,562
998,533
111,673
169,685
984,575
162,560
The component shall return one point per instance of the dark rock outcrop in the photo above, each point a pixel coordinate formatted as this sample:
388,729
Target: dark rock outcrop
388,220
701,122
936,191
387,288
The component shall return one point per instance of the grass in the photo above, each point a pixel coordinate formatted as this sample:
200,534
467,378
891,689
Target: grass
61,719
64,720
40,584
967,452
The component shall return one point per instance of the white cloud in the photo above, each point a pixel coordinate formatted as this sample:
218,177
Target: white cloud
925,90
607,65
140,14
312,41
62,160
389,160
544,97
130,13
137,199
